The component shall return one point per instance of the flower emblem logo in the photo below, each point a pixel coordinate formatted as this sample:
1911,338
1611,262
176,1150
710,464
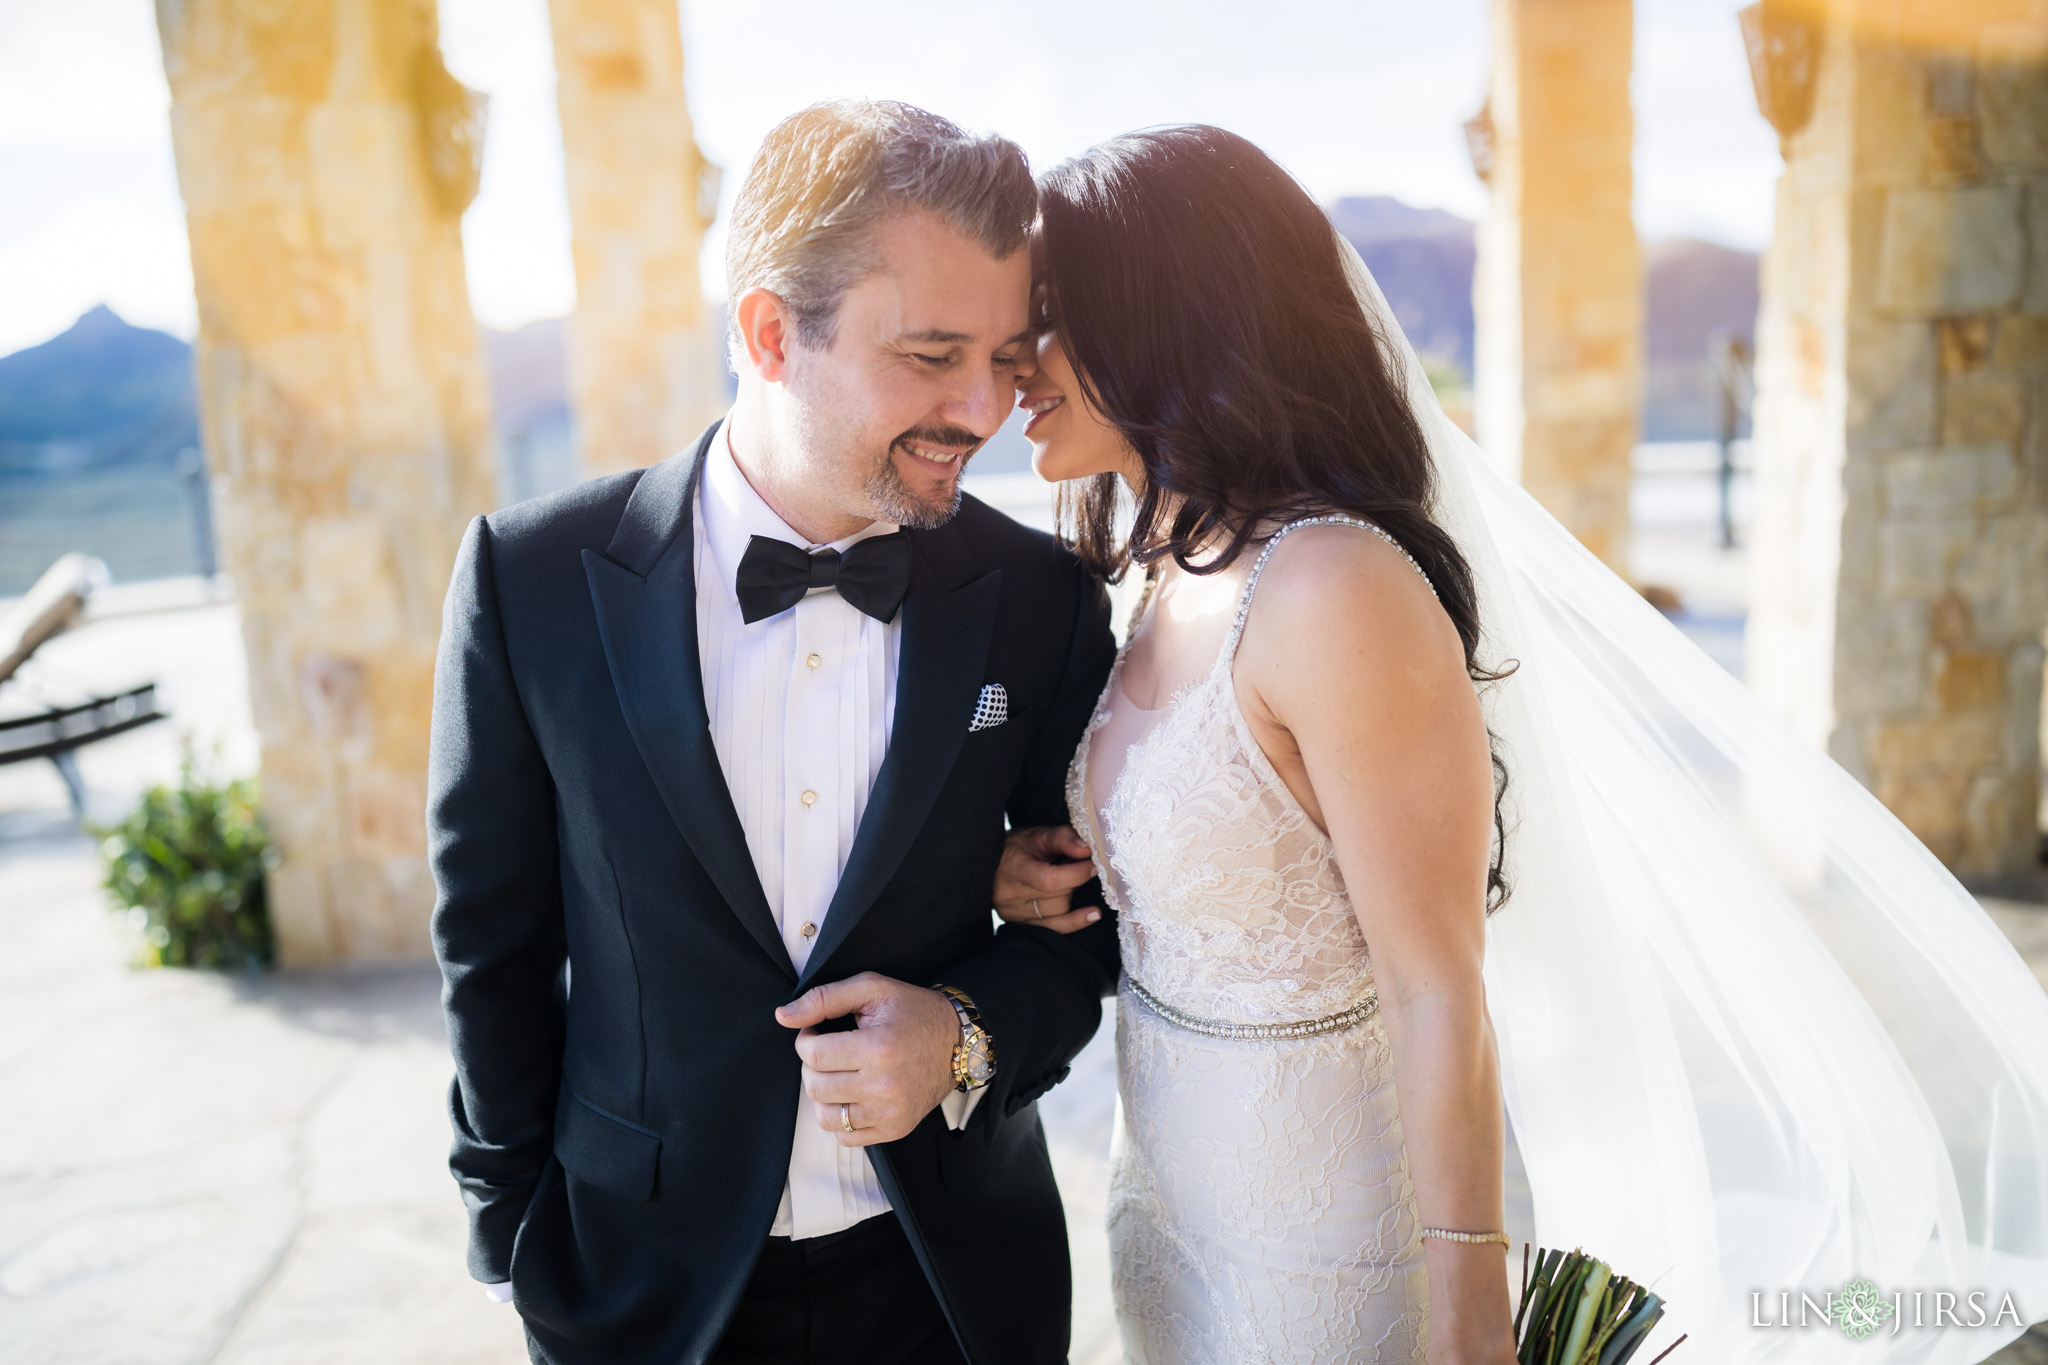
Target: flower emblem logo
1859,1310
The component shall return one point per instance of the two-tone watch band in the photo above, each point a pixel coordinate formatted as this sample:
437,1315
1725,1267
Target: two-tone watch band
974,1056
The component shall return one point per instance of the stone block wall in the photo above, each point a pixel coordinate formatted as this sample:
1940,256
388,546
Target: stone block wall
1901,547
325,155
646,362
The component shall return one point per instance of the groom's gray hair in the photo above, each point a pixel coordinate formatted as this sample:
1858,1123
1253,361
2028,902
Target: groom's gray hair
803,226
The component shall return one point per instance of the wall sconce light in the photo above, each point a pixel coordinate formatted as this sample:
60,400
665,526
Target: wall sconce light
1784,59
1479,144
451,129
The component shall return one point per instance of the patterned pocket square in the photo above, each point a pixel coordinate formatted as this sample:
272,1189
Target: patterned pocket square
991,710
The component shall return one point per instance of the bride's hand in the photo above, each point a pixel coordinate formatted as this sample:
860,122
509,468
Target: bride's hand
1033,888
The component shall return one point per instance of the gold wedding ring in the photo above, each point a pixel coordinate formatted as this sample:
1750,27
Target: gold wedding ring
845,1120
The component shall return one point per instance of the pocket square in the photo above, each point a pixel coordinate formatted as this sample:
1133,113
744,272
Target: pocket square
991,710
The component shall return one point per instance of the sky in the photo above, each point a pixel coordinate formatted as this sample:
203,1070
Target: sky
1353,96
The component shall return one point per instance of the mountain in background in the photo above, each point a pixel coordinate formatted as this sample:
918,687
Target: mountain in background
100,396
1423,261
529,368
1692,290
106,400
529,372
92,425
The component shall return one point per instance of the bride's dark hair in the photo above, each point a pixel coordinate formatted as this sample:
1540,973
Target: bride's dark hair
1202,298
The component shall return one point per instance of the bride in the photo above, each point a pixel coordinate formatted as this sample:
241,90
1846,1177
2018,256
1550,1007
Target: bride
1289,763
1369,690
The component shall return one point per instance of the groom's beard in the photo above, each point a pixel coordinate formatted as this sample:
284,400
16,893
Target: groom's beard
892,497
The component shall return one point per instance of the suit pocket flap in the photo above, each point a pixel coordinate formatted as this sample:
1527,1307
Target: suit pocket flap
605,1150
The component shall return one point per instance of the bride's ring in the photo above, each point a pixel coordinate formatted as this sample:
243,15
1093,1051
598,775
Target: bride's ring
1035,910
845,1120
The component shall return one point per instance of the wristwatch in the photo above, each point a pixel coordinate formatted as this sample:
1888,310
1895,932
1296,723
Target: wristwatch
974,1056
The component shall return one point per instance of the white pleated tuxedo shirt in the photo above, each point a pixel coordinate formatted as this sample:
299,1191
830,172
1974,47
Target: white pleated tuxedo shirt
801,707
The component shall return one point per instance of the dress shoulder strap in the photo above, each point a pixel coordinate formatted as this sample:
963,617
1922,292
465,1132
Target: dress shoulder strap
1251,583
1144,601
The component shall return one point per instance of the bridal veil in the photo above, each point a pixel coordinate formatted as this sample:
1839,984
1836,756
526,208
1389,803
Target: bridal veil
1755,1040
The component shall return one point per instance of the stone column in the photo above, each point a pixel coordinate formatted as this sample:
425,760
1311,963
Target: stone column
1900,552
1558,292
325,155
647,370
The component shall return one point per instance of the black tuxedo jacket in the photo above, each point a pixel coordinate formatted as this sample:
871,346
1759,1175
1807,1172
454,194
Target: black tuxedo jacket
623,1127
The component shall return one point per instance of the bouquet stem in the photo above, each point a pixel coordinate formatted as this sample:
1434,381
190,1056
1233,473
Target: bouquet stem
1576,1310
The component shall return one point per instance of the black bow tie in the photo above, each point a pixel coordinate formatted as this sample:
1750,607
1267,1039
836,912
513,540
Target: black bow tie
873,575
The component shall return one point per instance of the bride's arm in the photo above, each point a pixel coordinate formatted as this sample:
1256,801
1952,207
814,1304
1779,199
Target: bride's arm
1355,683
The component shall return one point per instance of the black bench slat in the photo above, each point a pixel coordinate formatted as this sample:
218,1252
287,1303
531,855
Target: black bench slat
54,732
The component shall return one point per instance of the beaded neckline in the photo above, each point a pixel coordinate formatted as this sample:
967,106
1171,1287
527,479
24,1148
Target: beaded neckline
1244,600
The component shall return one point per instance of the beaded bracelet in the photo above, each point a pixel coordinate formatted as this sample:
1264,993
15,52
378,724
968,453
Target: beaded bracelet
1447,1235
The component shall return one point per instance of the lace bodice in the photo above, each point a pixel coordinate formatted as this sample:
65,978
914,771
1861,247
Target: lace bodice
1230,904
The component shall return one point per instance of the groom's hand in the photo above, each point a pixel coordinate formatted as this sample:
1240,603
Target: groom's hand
889,1071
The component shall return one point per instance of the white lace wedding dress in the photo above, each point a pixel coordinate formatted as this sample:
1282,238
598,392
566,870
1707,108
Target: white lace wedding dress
1260,1204
1751,1033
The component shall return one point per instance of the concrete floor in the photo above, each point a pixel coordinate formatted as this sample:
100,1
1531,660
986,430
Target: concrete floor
203,1169
199,1168
208,1169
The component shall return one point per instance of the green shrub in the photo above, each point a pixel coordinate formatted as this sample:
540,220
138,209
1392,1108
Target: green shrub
187,865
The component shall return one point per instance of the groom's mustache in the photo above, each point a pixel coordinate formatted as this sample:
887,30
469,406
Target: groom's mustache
945,437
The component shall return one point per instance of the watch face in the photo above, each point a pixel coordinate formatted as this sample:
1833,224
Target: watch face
974,1056
977,1062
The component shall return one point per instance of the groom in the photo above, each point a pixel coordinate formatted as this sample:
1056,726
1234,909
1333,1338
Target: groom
722,755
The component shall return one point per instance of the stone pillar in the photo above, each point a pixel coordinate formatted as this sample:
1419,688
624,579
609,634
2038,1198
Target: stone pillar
325,155
647,369
1558,292
1900,552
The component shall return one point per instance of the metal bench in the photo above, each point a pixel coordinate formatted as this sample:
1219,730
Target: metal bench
52,606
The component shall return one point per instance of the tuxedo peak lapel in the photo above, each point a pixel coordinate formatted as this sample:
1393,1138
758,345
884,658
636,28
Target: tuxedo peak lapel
658,510
645,591
947,625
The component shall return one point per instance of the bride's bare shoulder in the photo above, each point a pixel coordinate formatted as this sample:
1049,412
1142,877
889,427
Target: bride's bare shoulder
1334,593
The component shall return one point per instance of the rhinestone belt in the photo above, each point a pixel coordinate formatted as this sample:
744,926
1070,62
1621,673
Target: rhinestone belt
1306,1028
